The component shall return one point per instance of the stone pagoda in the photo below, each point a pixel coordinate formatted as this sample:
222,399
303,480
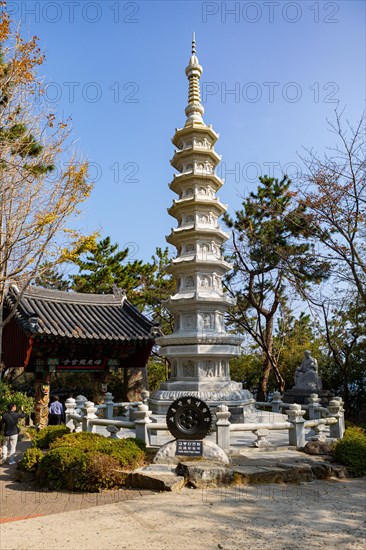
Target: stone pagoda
199,349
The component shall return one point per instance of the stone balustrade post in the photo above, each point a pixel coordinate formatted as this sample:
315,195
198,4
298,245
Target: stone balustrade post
70,406
261,441
78,426
319,433
145,396
276,402
341,411
131,412
223,427
89,414
113,431
295,415
80,402
314,404
142,419
108,401
335,410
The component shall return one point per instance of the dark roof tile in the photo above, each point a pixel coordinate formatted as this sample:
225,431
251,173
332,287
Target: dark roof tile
84,316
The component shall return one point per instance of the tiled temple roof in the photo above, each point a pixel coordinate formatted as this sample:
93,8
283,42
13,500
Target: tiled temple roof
84,316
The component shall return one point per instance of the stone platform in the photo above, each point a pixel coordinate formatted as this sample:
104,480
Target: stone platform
249,467
301,396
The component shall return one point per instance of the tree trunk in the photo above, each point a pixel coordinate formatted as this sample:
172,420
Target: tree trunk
346,396
279,378
267,364
263,382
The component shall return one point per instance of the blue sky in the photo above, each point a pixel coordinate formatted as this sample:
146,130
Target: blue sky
118,69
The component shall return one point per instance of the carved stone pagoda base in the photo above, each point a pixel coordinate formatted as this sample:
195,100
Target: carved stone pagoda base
230,393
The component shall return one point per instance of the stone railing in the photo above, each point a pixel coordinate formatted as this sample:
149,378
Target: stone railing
81,415
108,406
315,410
295,423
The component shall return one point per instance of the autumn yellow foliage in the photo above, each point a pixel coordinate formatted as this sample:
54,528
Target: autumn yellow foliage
43,180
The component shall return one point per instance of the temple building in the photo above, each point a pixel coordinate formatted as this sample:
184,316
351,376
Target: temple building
199,349
54,331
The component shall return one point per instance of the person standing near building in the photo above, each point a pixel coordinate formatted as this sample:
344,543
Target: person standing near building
56,411
9,423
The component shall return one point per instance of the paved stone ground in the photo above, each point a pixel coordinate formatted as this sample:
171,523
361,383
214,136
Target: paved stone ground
26,500
327,515
321,514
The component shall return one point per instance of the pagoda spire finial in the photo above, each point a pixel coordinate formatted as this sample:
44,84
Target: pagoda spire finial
193,43
194,109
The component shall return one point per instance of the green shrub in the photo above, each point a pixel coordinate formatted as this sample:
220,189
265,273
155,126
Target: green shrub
351,451
29,432
9,395
89,461
61,467
157,373
45,437
99,471
82,440
30,460
129,452
350,424
136,441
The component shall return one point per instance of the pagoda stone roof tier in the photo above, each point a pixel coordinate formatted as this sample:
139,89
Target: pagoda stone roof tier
192,130
184,301
196,231
42,312
196,337
212,301
195,264
220,350
194,153
184,180
197,204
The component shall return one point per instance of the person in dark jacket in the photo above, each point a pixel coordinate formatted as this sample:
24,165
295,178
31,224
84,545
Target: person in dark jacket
9,423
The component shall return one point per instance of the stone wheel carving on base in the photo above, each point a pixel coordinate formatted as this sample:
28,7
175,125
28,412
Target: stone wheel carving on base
189,418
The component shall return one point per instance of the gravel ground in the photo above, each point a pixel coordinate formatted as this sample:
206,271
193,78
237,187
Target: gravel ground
320,514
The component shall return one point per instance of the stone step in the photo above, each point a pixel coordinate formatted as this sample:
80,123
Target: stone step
286,467
202,473
159,478
287,473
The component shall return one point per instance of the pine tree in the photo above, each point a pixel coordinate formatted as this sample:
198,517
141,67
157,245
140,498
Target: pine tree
271,253
159,286
291,338
50,277
106,266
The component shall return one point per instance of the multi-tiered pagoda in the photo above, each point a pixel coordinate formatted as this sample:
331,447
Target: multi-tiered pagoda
199,349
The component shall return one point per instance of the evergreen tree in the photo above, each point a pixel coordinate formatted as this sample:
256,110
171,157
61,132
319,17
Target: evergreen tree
291,338
50,277
159,286
105,266
271,252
